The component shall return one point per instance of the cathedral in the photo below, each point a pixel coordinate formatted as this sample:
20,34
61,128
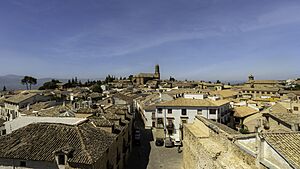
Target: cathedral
142,78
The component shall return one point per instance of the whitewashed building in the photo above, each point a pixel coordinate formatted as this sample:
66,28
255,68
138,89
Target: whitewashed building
171,115
13,104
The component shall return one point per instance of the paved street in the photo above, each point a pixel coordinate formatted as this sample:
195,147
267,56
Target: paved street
149,156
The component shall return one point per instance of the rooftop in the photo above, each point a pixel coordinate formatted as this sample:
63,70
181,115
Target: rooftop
224,93
40,140
183,102
244,111
20,97
289,118
286,144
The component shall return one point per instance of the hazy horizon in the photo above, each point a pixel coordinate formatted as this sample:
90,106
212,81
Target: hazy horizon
194,40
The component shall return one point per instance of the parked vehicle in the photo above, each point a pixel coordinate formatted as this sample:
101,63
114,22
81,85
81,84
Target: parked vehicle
169,143
178,142
159,142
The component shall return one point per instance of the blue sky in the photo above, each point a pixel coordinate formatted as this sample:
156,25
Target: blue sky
190,39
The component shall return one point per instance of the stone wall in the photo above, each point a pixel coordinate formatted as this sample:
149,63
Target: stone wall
212,150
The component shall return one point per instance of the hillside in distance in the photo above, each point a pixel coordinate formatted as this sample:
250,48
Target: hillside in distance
13,82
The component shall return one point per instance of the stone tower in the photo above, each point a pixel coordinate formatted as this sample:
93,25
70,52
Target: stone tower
157,74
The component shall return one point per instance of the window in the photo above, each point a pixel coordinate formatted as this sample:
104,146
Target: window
183,111
183,121
61,159
3,132
169,111
212,111
199,111
160,123
22,163
159,110
153,115
153,124
296,108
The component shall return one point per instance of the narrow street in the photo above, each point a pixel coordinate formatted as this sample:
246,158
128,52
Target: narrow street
149,156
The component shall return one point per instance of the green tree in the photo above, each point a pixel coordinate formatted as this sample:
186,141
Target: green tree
130,77
172,79
28,81
24,81
218,82
32,81
109,79
50,85
4,88
97,88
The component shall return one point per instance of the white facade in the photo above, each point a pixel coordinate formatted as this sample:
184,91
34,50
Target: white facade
271,158
195,96
12,109
173,117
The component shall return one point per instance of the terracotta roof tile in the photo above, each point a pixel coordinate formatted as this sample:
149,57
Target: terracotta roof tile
287,145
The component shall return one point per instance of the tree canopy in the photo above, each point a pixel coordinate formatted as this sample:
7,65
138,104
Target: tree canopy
28,81
50,85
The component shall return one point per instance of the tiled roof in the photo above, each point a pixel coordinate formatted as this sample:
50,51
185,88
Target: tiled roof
20,97
264,89
224,93
287,145
264,81
183,102
123,97
40,140
289,118
243,111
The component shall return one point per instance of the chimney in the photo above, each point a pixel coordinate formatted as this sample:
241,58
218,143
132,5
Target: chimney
64,103
28,106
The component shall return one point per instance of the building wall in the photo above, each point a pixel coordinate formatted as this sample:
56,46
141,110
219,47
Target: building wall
191,112
275,125
270,158
211,149
148,117
15,164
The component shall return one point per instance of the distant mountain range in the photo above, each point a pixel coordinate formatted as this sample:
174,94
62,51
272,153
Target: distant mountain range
13,82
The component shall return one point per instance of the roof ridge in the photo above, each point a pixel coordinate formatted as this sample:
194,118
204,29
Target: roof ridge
83,145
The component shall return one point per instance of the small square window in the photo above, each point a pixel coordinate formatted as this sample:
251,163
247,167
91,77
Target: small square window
22,163
212,111
159,110
183,111
169,111
296,108
199,111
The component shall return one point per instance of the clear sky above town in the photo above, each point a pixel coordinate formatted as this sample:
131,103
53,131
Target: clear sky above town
190,39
